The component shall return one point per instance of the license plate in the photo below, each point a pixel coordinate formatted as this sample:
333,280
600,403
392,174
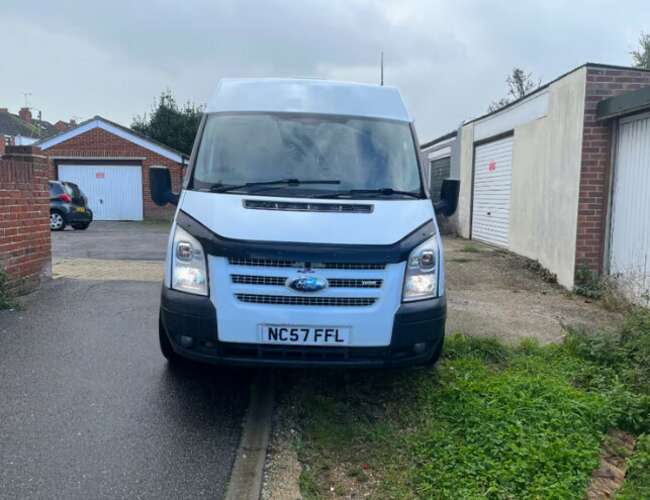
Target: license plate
304,335
80,209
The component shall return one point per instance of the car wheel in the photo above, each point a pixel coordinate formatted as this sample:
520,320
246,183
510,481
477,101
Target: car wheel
166,346
57,222
81,226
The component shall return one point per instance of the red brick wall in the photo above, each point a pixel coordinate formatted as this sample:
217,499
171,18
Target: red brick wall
596,161
100,143
25,252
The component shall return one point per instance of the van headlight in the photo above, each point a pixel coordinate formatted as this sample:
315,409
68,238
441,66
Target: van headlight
188,264
421,277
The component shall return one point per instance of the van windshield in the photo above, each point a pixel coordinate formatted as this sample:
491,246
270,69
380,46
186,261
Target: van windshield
351,153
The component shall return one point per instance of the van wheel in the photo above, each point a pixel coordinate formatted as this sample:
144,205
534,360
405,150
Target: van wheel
57,222
437,352
165,345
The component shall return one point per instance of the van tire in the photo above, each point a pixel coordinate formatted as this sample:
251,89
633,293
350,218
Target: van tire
166,346
437,352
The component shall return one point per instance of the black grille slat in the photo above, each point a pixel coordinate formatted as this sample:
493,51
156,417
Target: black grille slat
244,279
354,283
255,262
306,301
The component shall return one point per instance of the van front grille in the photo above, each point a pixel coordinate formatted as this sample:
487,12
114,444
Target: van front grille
246,261
306,301
245,279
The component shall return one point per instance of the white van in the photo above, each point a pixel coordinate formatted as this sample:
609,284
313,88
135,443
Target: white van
304,233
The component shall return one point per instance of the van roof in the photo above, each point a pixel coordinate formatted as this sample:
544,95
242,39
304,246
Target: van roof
297,95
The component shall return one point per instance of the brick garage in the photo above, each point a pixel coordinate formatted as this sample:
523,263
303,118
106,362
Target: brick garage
25,252
539,176
102,145
595,179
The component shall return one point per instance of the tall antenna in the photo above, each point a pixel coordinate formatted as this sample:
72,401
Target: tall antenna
381,64
26,95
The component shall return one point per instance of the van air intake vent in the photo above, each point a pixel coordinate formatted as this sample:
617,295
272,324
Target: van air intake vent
295,206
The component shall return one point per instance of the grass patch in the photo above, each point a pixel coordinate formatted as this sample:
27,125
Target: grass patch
470,249
460,260
491,421
7,299
637,478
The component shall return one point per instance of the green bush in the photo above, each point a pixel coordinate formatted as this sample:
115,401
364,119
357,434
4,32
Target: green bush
637,477
6,297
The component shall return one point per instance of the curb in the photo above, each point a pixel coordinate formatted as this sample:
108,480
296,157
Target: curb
248,469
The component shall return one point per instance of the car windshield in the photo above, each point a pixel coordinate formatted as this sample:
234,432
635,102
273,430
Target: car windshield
351,153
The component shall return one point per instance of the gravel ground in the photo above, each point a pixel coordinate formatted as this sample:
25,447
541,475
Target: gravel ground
491,292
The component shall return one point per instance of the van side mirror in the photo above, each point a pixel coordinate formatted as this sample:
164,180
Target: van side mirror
160,186
448,197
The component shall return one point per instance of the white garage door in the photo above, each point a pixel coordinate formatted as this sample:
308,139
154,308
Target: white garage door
114,191
630,219
491,193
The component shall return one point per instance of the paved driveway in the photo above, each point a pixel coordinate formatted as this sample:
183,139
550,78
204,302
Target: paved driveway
88,406
112,240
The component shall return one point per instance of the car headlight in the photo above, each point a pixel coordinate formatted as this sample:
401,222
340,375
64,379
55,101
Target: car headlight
188,264
421,276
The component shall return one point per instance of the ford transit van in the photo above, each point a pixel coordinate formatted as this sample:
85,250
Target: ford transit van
304,233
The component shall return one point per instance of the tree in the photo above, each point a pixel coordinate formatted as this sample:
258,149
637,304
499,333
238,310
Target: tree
519,84
169,123
641,57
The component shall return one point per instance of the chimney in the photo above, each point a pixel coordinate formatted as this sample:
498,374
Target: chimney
61,126
25,115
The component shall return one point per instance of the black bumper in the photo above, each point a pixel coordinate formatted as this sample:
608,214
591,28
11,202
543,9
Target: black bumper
183,314
74,217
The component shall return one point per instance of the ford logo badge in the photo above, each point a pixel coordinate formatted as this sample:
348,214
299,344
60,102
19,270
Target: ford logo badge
307,284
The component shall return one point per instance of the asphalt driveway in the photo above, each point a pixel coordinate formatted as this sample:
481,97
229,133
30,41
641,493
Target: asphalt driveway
113,241
88,406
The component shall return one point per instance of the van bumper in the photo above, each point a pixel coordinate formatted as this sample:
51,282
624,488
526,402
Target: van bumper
418,329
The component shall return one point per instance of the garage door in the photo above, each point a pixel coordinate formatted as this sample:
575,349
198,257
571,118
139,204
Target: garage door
440,169
114,191
491,192
630,219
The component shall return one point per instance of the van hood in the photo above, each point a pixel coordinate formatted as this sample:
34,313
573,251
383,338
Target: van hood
387,223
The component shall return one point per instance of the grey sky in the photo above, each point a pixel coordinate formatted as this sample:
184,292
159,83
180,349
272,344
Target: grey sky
449,58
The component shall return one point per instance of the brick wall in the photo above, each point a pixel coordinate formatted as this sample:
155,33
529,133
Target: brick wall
596,161
25,252
98,143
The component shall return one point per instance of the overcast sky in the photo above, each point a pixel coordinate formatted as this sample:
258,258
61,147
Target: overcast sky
449,58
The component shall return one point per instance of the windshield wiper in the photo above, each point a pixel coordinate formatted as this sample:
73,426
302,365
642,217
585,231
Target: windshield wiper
224,188
380,191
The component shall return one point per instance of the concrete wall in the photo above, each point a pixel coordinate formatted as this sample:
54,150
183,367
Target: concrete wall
465,196
546,179
546,172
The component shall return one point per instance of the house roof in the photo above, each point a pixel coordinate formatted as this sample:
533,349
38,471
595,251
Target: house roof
118,130
13,125
303,95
